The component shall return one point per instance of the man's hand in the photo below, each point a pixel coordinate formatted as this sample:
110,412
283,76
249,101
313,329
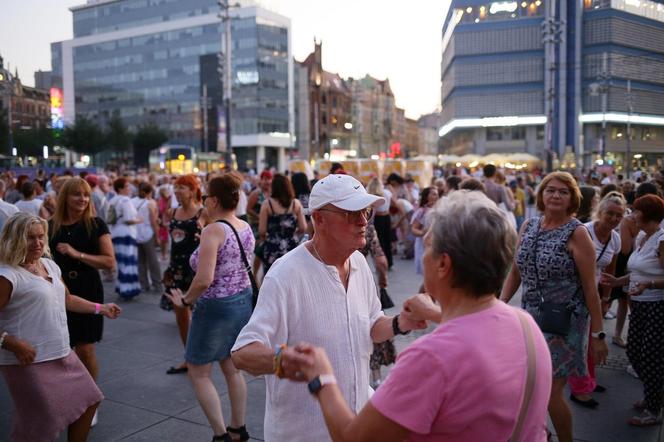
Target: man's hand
420,308
294,363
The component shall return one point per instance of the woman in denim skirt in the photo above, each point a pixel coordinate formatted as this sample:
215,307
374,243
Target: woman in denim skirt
221,296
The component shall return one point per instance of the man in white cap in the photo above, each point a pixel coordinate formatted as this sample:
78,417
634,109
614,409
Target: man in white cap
321,292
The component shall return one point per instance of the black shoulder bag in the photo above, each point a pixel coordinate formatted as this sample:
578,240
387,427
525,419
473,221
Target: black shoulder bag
552,317
254,286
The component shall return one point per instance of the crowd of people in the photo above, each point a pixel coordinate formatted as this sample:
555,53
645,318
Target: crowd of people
268,273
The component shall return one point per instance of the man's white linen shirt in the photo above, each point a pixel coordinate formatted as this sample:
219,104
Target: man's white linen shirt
304,300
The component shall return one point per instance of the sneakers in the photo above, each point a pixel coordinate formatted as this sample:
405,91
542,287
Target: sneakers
631,371
645,419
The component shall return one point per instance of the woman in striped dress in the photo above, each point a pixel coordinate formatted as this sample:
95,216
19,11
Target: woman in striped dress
122,219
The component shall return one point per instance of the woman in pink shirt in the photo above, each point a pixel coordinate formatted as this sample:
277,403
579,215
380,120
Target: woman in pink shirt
484,374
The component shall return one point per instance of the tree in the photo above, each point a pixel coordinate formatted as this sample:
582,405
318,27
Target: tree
31,142
84,136
117,135
148,136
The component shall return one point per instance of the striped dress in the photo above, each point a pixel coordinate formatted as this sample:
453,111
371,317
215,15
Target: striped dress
126,249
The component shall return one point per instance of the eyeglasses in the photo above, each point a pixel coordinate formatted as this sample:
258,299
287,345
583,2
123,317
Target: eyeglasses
554,190
353,217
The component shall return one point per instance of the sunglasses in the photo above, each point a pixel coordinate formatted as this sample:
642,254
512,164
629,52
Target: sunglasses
353,217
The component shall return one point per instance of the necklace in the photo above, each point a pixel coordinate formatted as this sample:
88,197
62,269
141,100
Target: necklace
34,270
313,244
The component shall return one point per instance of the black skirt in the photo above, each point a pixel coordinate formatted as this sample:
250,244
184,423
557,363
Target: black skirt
85,328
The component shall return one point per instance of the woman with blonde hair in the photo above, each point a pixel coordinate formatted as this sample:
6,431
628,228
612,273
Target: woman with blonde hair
81,245
50,388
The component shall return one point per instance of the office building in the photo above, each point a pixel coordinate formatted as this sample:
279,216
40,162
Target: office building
557,79
155,61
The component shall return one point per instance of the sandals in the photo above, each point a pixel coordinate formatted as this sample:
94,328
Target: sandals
223,438
242,431
619,342
177,370
646,419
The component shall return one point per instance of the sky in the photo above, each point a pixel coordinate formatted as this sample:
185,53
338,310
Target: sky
391,39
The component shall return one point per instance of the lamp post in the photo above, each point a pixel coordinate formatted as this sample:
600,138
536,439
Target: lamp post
225,71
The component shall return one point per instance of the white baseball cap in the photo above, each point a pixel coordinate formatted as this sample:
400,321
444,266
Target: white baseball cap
342,191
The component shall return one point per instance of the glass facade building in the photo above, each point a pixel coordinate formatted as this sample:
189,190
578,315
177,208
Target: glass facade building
534,75
144,60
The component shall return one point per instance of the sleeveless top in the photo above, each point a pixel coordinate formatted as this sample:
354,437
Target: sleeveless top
230,274
558,277
184,242
280,234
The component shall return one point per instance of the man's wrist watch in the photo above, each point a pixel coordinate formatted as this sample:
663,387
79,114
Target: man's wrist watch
319,381
598,335
395,327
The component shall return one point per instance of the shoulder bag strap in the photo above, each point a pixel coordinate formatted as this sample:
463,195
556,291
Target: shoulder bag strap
244,256
603,249
530,377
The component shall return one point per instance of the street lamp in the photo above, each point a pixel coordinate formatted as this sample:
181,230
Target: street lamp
225,71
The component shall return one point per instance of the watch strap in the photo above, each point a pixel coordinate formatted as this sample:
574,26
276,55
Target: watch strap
319,381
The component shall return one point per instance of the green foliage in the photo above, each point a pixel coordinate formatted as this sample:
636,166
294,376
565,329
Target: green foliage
31,142
149,136
84,136
117,135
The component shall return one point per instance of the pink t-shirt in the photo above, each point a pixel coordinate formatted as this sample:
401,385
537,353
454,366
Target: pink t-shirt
465,381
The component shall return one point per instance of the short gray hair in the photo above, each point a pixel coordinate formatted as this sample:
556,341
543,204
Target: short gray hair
478,238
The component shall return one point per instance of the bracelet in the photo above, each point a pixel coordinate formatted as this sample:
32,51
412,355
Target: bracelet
395,327
81,256
97,308
2,338
276,360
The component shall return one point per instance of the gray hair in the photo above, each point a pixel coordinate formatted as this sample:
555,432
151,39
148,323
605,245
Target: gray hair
478,238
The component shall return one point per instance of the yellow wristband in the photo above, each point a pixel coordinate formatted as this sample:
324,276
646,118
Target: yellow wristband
278,370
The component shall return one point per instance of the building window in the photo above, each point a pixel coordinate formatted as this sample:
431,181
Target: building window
334,102
494,134
540,132
323,99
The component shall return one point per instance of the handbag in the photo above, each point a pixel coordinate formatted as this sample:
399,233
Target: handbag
254,286
385,300
552,317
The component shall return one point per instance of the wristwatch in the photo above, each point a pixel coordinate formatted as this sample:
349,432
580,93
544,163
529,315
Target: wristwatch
317,383
598,335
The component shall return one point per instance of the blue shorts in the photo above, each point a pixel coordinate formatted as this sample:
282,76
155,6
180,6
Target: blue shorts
215,325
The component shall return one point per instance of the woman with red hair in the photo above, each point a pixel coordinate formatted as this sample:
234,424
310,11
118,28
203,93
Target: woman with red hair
186,222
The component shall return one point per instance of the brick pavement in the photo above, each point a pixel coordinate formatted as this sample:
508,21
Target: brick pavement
144,404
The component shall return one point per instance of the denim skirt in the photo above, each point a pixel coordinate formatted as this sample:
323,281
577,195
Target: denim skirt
215,325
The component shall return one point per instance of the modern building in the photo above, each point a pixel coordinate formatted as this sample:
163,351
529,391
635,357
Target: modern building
554,78
151,61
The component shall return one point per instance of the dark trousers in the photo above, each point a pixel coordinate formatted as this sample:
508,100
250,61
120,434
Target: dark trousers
645,349
383,226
